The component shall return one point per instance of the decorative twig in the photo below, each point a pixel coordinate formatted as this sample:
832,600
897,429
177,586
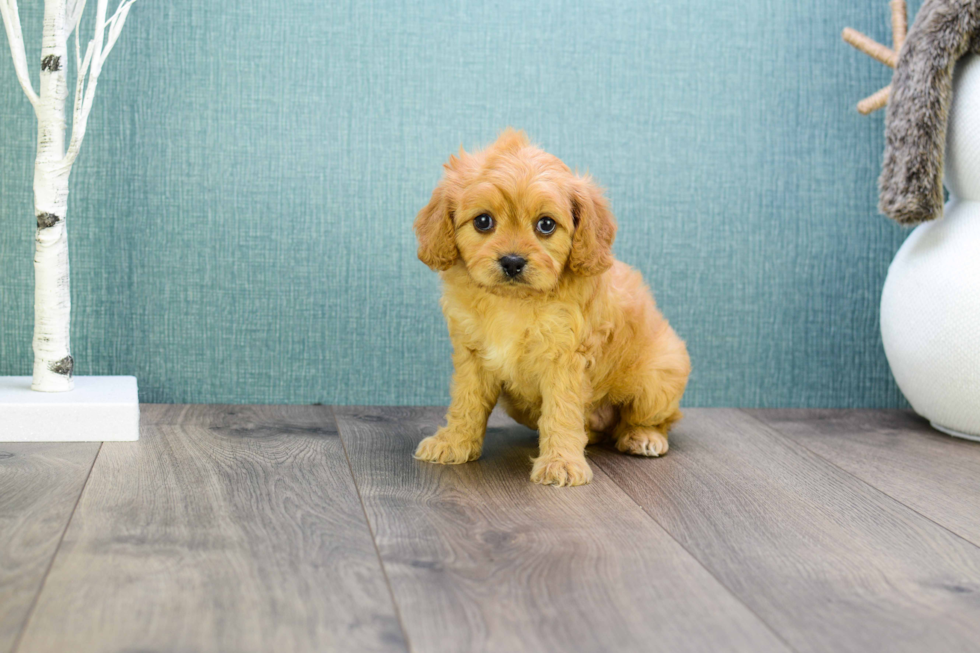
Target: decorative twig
876,101
882,53
95,55
15,36
900,24
870,47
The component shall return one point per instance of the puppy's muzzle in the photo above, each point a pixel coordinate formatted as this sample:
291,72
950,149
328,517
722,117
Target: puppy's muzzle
512,265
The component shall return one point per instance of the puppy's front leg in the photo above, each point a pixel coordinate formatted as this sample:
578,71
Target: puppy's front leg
474,394
562,427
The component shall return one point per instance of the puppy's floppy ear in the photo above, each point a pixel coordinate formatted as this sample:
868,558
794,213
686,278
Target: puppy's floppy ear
435,231
595,229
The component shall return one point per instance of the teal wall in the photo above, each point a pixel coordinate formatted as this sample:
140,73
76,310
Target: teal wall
224,133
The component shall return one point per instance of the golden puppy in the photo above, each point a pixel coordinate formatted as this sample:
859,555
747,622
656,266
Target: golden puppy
542,316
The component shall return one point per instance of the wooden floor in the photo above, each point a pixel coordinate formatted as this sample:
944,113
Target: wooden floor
307,528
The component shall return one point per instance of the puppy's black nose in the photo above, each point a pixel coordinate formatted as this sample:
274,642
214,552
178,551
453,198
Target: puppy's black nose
512,264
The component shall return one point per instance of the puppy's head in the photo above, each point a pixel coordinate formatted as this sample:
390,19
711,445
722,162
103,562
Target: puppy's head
516,217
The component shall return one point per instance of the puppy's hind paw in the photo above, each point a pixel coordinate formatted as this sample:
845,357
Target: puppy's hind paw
561,472
641,441
447,451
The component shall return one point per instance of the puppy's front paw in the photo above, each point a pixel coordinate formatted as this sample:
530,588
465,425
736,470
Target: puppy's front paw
641,441
448,449
561,471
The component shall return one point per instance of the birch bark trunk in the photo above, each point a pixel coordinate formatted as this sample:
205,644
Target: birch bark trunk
53,363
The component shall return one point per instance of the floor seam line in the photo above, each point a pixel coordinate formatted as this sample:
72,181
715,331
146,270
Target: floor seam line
857,478
701,564
54,556
374,539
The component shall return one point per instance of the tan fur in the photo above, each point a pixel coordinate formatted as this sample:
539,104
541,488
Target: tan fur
577,348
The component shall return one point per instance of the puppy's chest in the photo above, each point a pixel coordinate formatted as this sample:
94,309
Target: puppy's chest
518,347
509,352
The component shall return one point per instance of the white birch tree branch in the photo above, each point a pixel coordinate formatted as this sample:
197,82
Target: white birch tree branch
96,53
75,9
15,37
115,25
81,69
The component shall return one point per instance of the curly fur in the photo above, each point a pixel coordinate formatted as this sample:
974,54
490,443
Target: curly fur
575,346
911,181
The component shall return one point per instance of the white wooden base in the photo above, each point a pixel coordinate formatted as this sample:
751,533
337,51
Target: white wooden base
100,408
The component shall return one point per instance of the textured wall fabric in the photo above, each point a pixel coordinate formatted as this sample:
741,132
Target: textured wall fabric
225,134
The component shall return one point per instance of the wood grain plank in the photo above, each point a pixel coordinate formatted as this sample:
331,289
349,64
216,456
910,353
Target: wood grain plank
829,562
481,559
227,529
39,486
897,452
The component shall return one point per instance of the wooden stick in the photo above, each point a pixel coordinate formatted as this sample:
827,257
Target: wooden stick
870,47
900,24
874,102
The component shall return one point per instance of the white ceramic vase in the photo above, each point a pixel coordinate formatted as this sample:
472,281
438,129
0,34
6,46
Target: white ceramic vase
930,305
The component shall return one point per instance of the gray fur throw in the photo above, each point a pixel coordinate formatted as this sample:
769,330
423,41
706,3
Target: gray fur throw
911,181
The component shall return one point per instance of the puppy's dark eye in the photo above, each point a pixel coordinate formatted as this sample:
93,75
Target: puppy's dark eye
483,222
546,226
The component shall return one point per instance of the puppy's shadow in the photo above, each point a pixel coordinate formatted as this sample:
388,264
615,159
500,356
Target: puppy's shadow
506,442
507,452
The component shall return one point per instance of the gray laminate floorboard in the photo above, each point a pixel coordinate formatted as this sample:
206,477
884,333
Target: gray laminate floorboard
39,487
830,563
481,559
233,528
898,453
